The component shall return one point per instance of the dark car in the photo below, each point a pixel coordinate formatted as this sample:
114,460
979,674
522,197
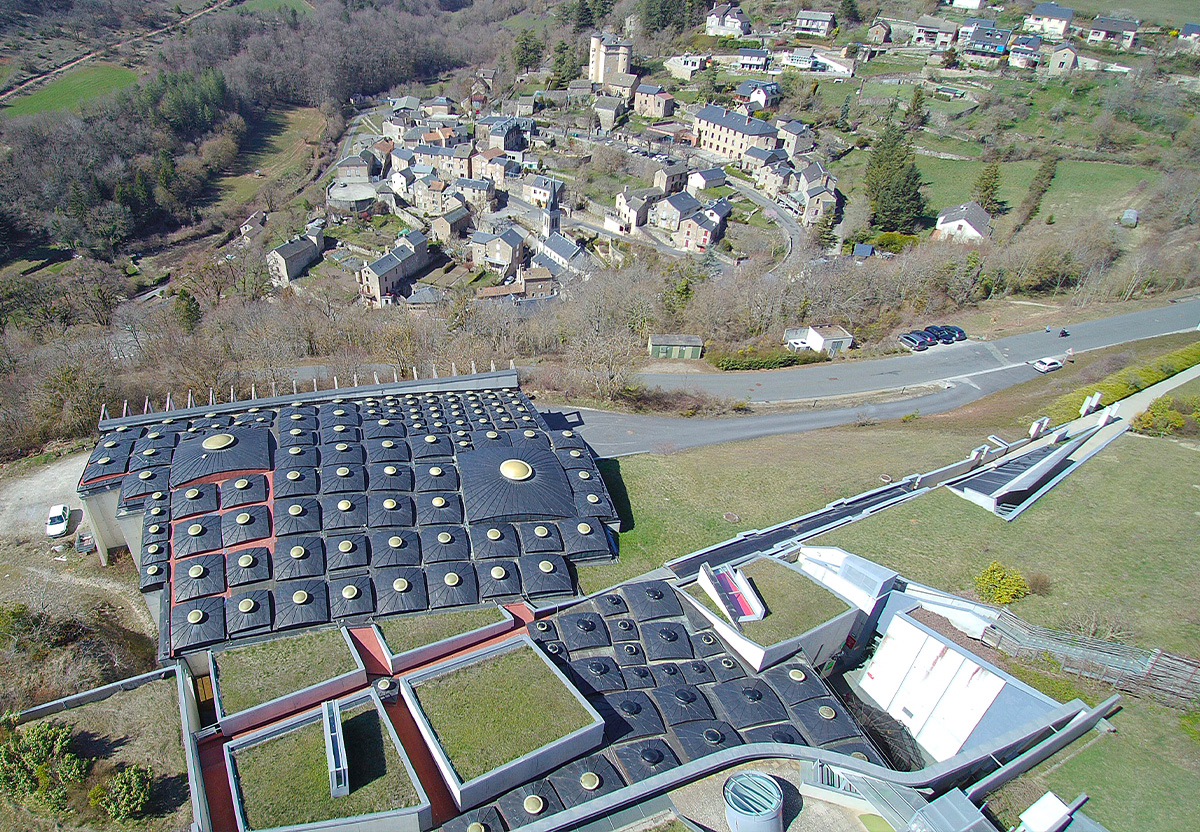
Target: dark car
926,338
938,335
957,332
914,343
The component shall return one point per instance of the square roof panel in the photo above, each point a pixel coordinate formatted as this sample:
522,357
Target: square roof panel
823,720
649,600
667,674
346,551
584,540
585,780
385,427
507,484
247,566
431,446
301,603
666,640
795,682
245,523
197,623
296,436
780,732
545,575
241,491
629,653
438,508
681,703
196,499
388,449
247,612
623,629
147,481
699,739
749,702
599,674
528,803
438,476
697,672
297,456
539,537
298,556
611,604
386,476
296,515
338,433
196,535
642,759
725,668
706,644
574,459
344,511
488,818
353,595
339,479
494,540
543,629
294,482
152,576
583,630
629,714
444,543
400,589
489,438
394,547
498,579
346,452
194,577
451,585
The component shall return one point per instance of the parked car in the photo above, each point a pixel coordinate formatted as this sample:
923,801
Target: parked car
927,339
56,521
957,332
1047,365
939,334
914,343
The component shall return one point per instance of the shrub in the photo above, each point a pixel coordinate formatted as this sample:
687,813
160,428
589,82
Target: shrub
1117,386
1039,583
128,793
1000,585
752,359
1170,416
894,242
910,417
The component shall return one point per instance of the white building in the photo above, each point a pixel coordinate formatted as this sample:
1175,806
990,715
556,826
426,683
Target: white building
815,24
727,20
607,56
963,223
828,338
1049,20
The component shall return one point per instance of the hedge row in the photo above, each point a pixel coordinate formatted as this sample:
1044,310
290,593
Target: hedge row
1117,386
768,360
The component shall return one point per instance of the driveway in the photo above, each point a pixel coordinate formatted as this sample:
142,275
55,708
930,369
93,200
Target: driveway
964,361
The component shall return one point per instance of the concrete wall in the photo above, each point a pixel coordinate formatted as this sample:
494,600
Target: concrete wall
189,718
447,646
521,770
94,695
100,512
290,703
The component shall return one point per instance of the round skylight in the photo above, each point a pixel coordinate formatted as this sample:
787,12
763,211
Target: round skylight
346,546
196,571
243,518
499,573
349,591
246,561
195,616
218,441
299,597
400,585
246,605
298,552
534,804
516,470
452,579
546,566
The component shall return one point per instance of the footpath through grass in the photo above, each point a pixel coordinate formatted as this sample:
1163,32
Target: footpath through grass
250,676
72,88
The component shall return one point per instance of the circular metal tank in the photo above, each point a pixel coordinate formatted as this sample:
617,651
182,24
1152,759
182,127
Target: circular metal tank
753,803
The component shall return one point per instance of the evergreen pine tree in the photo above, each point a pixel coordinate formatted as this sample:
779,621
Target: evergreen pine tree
901,203
849,11
823,231
987,188
843,122
915,117
583,15
187,311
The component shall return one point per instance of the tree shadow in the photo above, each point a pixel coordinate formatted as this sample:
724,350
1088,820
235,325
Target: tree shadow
167,794
90,744
610,471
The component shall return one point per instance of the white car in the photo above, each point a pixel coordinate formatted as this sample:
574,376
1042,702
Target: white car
56,522
1047,365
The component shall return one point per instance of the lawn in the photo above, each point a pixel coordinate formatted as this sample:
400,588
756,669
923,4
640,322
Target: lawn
1116,537
1167,13
950,182
491,712
250,676
285,780
136,727
408,632
72,89
278,147
299,6
795,604
673,504
1122,773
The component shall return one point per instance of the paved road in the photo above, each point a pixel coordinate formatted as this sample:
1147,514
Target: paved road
965,360
786,222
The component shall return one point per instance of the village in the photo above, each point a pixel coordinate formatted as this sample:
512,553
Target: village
485,192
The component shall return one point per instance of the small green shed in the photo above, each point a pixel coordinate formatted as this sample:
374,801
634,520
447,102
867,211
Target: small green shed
675,346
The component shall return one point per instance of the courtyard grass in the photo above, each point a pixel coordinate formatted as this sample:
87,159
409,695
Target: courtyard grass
795,604
491,712
71,89
408,632
1117,537
251,675
285,780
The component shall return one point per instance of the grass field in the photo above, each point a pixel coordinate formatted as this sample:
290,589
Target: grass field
275,5
252,675
795,604
279,147
136,727
72,89
490,713
1167,13
285,780
950,182
403,633
1116,537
